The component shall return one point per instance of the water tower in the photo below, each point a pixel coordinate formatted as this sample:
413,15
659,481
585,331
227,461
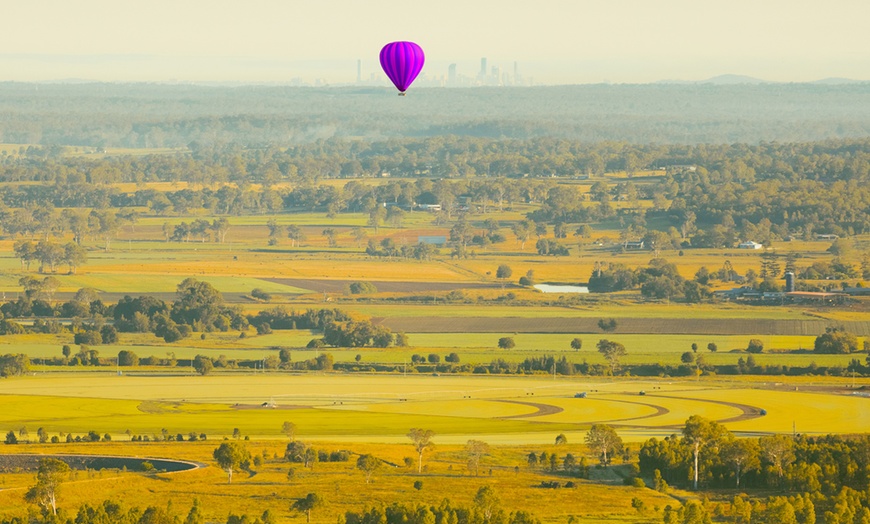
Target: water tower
789,282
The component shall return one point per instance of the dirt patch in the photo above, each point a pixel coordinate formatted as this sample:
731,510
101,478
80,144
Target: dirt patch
542,409
659,411
384,286
748,412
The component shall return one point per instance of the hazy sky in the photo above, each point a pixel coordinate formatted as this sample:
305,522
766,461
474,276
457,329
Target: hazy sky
554,41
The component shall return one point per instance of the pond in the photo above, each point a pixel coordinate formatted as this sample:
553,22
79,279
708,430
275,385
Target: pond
561,288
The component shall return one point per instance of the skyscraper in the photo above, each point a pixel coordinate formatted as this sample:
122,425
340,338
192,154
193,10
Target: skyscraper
359,71
482,74
451,75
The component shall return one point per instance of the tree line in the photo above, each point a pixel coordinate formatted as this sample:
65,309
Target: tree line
147,115
826,475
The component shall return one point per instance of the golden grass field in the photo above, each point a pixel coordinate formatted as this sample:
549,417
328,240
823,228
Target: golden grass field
372,414
446,476
381,408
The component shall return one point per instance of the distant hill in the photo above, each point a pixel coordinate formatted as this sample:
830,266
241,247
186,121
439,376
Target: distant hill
733,80
836,81
751,80
718,80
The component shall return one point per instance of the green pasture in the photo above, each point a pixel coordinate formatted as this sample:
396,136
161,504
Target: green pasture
592,309
136,284
640,348
410,220
472,348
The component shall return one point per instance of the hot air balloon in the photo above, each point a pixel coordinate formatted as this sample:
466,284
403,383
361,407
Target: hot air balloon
402,62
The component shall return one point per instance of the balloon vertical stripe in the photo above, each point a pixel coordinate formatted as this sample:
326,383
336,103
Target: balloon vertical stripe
402,62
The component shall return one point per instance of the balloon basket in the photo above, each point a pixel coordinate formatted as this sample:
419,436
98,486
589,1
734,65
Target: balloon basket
402,93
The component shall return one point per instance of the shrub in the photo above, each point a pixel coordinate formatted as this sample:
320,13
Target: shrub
259,294
90,337
835,341
361,288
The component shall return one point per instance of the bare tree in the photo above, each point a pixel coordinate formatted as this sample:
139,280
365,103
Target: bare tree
422,439
476,449
49,477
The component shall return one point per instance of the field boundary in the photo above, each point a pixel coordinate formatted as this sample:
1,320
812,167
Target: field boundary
322,285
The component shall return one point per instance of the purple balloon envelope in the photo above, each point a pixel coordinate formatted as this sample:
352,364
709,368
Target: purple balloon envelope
402,61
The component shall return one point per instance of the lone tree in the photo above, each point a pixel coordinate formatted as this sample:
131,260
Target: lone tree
503,273
127,358
368,464
230,456
476,449
604,439
289,429
422,439
608,325
612,352
577,344
836,341
307,504
755,346
506,343
203,364
49,477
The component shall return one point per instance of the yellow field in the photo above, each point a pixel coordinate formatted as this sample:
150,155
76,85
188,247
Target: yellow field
446,477
361,408
814,413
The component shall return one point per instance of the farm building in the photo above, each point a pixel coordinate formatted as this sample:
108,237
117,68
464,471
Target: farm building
748,294
817,297
735,293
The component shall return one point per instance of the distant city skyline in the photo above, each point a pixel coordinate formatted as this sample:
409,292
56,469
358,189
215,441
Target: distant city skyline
337,42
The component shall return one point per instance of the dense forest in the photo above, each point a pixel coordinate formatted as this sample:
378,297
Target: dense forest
152,115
